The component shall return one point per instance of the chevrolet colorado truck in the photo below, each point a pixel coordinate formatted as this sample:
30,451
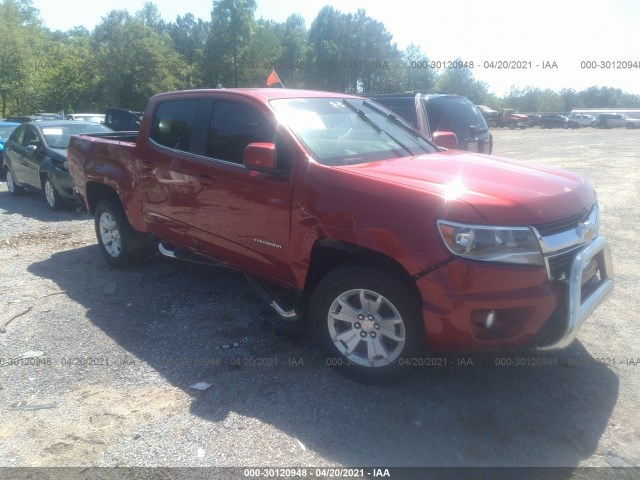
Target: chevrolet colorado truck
340,211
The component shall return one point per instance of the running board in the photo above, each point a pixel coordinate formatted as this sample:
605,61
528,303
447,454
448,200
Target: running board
269,297
180,254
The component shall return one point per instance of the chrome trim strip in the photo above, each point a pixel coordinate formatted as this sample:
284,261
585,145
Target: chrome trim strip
579,308
582,234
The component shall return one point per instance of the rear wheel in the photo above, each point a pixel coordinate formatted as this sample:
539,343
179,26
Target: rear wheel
51,194
367,322
119,243
13,188
512,125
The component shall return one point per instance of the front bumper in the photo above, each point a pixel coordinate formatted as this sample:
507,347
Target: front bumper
584,294
476,306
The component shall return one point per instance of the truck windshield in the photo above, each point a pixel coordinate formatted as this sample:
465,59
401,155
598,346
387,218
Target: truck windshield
338,131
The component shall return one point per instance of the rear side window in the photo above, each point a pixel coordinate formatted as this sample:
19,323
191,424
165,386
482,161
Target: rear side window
173,124
233,126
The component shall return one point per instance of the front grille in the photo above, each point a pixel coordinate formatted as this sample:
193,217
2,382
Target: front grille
560,265
551,228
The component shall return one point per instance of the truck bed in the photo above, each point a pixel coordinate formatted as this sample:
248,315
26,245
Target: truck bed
101,157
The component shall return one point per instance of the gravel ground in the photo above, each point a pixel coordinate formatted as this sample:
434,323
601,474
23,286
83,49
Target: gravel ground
119,350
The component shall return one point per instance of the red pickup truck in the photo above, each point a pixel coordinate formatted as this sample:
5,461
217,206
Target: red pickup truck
337,209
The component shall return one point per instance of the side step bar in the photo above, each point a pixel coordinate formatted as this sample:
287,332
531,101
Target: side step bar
269,297
179,254
263,291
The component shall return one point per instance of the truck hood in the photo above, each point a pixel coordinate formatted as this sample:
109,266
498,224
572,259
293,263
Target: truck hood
503,191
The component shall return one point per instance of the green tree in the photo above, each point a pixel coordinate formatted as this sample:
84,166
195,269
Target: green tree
461,81
261,54
417,73
20,35
190,40
326,53
134,62
293,40
232,24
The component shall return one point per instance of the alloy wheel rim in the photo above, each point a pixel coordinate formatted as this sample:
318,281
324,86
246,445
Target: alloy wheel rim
49,193
10,185
110,234
366,328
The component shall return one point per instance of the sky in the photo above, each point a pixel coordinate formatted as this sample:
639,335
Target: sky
559,34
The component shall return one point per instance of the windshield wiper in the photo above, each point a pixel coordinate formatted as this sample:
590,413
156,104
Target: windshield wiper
398,121
363,115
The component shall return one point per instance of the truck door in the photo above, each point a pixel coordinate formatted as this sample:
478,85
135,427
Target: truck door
212,203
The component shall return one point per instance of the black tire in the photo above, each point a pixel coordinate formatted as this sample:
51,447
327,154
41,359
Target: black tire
340,291
630,126
51,195
513,125
12,186
120,244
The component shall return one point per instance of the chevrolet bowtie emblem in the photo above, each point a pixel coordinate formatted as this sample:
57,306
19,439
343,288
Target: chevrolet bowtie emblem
588,229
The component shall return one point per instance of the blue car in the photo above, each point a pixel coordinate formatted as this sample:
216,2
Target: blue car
5,130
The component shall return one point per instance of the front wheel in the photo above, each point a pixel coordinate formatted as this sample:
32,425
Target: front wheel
366,322
51,194
630,126
119,243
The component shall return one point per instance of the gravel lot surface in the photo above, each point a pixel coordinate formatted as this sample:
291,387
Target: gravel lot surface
117,351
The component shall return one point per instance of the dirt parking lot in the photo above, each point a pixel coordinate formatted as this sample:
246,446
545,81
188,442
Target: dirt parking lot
107,359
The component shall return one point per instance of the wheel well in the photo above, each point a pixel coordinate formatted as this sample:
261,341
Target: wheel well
97,192
329,254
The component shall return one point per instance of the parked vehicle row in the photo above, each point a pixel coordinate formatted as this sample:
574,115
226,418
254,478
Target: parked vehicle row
512,119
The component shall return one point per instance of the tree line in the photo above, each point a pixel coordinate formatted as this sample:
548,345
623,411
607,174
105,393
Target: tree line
127,58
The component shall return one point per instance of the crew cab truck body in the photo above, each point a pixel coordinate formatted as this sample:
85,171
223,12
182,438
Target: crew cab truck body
338,209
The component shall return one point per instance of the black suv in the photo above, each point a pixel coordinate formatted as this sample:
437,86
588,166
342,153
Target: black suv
553,120
431,113
121,120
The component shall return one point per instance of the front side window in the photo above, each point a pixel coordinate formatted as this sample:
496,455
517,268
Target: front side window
173,122
233,126
30,137
18,134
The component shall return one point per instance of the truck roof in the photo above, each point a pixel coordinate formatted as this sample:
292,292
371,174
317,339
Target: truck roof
264,93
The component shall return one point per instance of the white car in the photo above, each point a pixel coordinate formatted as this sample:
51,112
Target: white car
87,117
580,120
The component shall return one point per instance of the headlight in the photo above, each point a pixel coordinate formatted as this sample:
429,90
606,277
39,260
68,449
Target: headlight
492,244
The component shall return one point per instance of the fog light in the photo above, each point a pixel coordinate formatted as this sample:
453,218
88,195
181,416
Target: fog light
490,319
